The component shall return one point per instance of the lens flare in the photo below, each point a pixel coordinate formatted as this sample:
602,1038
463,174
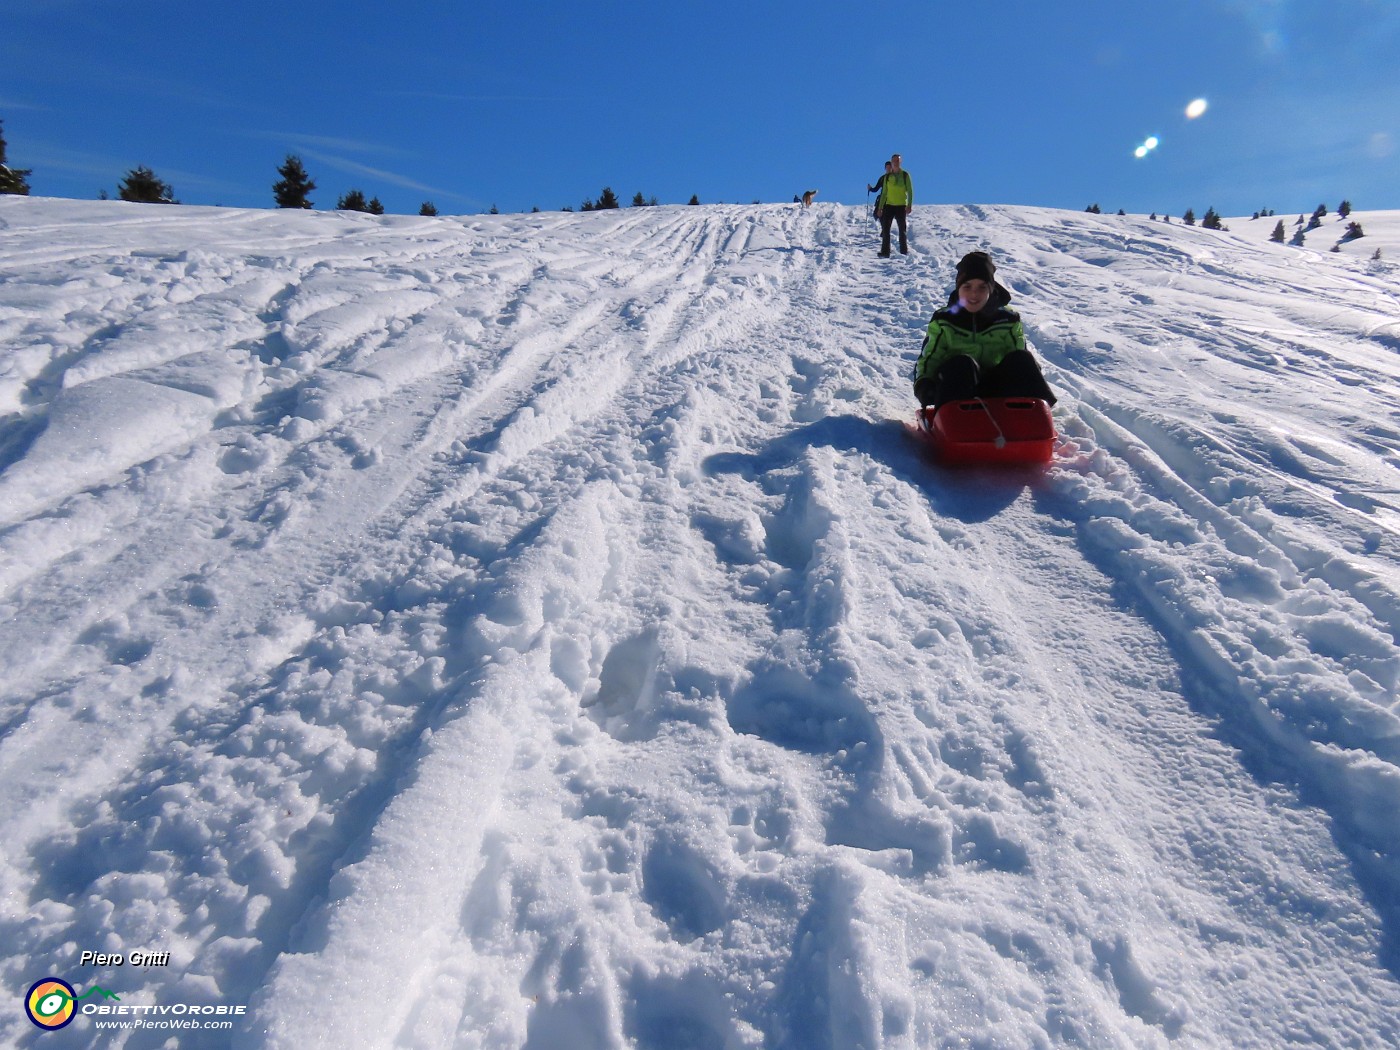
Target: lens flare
1148,145
1196,108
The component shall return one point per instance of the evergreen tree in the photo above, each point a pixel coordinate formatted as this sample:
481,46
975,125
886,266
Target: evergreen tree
1094,209
606,200
1353,231
12,180
142,186
1212,220
694,198
494,210
1299,237
1190,217
1321,212
374,207
428,208
353,201
291,189
638,201
1280,234
1344,209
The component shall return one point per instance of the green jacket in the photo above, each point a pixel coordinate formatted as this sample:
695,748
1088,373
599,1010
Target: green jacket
898,188
986,337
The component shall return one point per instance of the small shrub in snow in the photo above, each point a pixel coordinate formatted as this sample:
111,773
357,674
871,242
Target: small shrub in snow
354,200
142,186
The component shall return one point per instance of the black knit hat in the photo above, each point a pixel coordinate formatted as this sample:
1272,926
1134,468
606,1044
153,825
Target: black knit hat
976,266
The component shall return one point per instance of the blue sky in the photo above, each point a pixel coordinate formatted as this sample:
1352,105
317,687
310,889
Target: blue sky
525,104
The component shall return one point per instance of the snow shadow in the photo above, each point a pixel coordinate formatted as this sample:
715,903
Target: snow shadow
969,495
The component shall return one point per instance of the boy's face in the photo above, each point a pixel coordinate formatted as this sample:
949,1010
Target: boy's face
974,294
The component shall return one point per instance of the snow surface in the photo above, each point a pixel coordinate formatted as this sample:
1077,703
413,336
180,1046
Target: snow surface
545,632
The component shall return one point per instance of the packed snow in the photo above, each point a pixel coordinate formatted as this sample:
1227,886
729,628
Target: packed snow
546,631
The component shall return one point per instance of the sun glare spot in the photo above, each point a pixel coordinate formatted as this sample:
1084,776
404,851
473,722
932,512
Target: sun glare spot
1196,108
1152,142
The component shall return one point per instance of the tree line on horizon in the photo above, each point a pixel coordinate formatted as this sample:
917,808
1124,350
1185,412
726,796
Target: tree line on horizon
294,187
292,190
1212,221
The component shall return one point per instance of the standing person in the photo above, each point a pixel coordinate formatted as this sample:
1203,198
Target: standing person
975,346
879,188
897,201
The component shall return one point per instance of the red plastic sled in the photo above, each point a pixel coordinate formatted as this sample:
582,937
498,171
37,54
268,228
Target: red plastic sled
990,430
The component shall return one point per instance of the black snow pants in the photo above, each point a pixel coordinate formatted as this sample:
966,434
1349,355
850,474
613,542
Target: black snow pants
1017,375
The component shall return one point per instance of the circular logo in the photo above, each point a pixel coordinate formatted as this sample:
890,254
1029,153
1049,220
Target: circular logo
49,1003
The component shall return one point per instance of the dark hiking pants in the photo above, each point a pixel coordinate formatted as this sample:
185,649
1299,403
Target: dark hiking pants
894,213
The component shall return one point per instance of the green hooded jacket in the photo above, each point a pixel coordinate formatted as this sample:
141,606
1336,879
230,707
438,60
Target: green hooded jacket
986,336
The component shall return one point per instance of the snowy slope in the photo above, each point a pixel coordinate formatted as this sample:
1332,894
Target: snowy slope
542,631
